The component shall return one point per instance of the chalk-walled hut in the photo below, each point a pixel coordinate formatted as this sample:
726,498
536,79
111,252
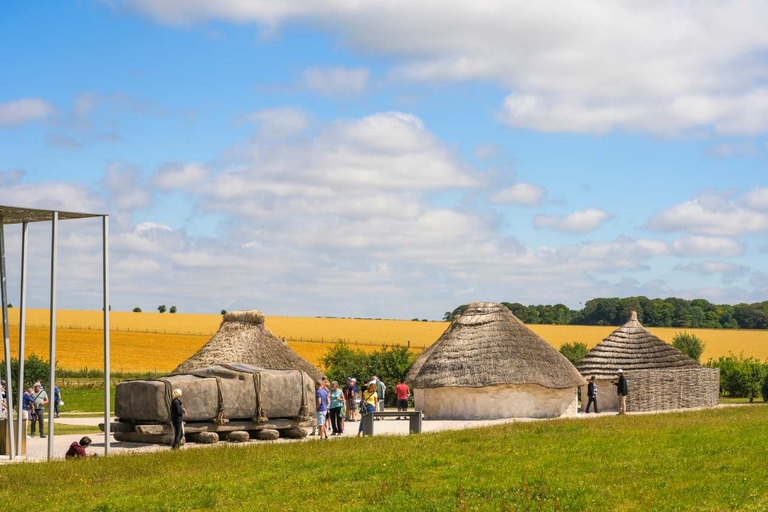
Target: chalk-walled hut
243,337
659,376
489,365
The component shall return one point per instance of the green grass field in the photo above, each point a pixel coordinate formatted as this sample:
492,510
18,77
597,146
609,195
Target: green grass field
711,460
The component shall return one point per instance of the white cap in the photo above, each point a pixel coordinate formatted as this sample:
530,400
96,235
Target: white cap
620,371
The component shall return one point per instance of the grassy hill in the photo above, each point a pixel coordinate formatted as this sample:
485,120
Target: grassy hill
711,460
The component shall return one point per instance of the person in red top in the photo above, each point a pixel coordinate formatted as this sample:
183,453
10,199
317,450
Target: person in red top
77,450
403,391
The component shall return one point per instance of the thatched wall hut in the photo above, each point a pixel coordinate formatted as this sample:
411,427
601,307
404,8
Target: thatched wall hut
659,376
243,338
489,365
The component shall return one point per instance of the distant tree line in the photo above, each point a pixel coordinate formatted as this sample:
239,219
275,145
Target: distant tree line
670,312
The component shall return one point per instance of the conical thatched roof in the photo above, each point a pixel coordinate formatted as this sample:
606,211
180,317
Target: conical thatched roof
632,347
243,338
487,345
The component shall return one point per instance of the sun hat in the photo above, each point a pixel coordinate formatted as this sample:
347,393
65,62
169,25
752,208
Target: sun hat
620,371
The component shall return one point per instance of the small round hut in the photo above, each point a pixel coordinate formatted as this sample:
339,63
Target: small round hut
489,365
243,338
659,376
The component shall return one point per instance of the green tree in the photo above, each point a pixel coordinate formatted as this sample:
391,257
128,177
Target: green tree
173,309
161,308
137,310
689,344
223,312
574,352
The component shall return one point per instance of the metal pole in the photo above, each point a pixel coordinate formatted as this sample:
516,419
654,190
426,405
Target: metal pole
52,357
107,384
6,344
20,431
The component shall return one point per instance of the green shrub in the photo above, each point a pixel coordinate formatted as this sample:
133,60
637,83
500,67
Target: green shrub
764,389
740,377
689,344
574,352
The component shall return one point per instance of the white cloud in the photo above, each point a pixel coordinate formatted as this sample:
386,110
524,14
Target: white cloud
338,81
125,187
756,199
576,222
707,246
736,149
279,122
12,177
51,196
25,110
713,214
526,194
180,176
714,267
588,66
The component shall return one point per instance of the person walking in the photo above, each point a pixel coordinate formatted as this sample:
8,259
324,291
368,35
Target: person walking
368,404
622,390
350,397
403,392
321,405
336,406
29,407
592,394
381,389
177,418
77,449
57,401
40,400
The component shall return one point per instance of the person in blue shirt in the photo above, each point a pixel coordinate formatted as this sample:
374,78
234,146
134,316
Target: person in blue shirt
321,403
56,400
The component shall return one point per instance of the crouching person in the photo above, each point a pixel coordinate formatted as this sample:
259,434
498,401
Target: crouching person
77,450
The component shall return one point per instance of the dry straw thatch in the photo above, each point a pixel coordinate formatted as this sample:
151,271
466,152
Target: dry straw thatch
633,347
486,346
243,338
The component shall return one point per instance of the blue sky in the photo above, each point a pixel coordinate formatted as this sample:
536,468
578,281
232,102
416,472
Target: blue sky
390,159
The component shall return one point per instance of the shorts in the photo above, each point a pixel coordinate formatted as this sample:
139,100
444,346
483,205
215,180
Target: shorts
402,404
321,418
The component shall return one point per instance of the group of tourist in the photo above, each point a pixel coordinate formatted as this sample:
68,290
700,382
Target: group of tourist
335,405
622,390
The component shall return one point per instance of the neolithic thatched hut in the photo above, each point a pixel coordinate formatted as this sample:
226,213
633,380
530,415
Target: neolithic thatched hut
659,376
489,365
243,338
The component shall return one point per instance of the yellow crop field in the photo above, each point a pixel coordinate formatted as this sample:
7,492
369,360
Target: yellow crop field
149,341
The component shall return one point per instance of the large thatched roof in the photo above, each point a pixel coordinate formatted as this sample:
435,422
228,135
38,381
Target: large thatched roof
243,338
487,345
632,347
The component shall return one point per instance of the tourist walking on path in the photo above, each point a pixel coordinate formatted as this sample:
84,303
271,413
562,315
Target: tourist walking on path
381,390
177,418
368,404
77,450
622,391
29,406
321,405
403,392
56,400
350,396
336,406
40,399
592,394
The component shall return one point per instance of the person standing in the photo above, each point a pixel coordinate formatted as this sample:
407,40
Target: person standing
40,399
403,392
3,405
592,394
321,405
29,406
381,389
56,400
350,396
177,418
622,390
368,404
336,405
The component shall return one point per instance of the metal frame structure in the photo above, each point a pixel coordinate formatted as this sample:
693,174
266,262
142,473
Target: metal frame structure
23,216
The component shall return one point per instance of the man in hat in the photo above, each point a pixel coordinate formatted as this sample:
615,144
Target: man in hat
622,391
592,394
40,398
350,393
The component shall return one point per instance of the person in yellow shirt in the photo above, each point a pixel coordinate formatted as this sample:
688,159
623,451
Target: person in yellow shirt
370,404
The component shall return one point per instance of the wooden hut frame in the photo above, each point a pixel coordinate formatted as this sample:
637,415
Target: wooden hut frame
23,216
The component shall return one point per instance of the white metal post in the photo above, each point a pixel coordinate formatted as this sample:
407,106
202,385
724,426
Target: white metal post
52,357
20,431
107,384
6,344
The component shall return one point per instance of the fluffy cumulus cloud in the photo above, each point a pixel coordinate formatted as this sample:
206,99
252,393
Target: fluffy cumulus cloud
707,246
580,67
125,187
25,110
526,194
337,81
728,271
180,176
576,222
279,122
717,214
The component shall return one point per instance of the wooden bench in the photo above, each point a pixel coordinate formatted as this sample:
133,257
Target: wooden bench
414,420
